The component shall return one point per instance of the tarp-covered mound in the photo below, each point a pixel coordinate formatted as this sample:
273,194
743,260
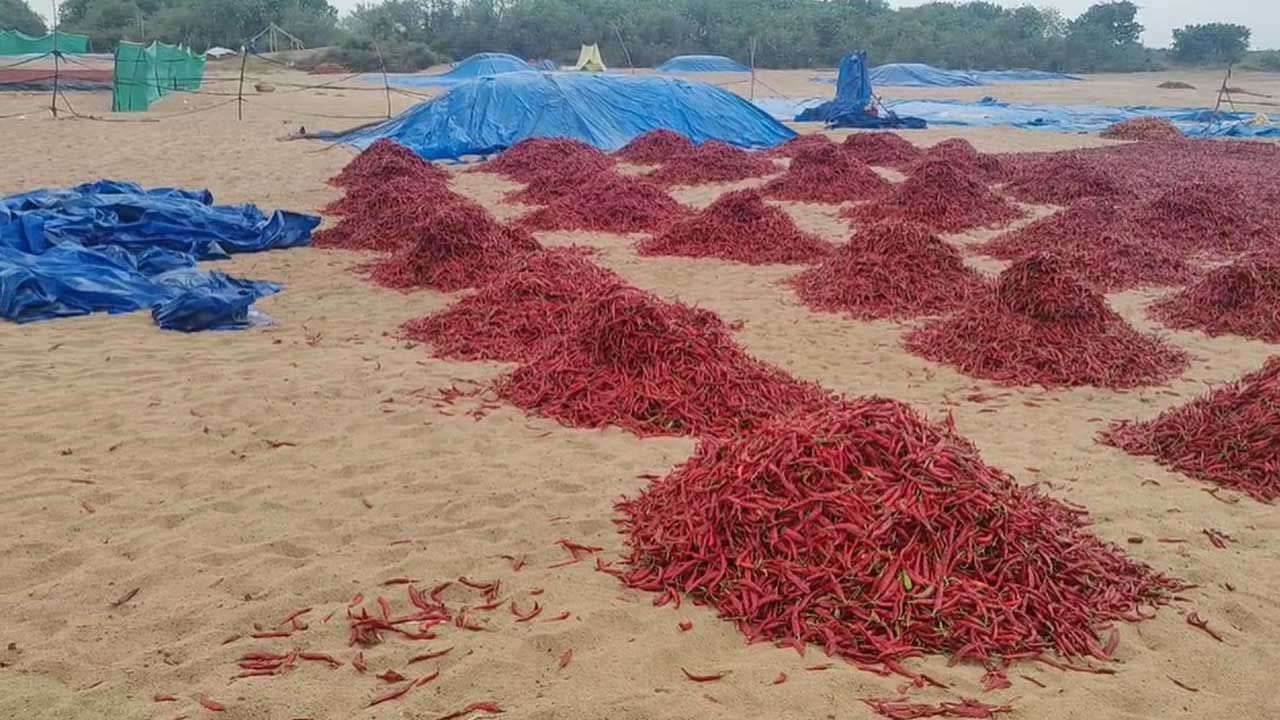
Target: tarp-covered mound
921,75
701,64
606,111
478,65
114,247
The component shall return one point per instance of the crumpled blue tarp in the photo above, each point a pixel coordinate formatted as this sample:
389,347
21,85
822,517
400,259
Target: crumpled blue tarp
1078,118
921,75
853,95
493,113
701,64
853,92
477,65
114,247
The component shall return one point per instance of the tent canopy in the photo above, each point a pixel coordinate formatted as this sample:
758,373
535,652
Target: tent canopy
493,113
589,59
701,64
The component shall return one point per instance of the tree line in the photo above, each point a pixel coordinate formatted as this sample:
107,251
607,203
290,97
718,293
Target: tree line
411,34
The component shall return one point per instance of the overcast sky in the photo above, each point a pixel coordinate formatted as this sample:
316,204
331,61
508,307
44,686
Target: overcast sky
1159,16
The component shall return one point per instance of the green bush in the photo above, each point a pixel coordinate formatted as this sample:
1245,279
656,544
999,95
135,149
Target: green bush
361,55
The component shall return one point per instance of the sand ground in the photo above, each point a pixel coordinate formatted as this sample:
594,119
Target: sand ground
232,478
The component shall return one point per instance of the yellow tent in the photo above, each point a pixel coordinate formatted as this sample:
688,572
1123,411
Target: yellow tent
589,59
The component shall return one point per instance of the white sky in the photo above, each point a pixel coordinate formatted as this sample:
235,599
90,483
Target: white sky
1160,17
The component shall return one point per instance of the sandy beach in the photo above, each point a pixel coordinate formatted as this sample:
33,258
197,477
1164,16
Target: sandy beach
234,478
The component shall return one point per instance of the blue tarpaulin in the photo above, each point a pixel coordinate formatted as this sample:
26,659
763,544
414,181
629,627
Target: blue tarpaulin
853,96
921,75
477,65
1078,118
607,111
701,64
114,247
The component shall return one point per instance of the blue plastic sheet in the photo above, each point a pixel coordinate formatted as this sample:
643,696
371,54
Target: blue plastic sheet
607,111
701,64
114,247
921,75
478,65
1078,118
853,95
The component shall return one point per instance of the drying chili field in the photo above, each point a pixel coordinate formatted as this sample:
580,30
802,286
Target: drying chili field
925,443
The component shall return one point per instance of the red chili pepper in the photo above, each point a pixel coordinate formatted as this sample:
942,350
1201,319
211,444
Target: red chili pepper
566,658
210,704
702,678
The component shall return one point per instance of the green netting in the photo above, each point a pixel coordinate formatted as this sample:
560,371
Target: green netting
145,74
13,42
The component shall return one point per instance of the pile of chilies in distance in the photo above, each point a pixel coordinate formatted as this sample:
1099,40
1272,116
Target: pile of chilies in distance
854,525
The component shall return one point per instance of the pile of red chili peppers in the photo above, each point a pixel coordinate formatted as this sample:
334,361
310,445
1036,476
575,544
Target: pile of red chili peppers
1042,326
890,270
713,161
863,529
942,196
528,305
1064,178
654,368
609,203
962,155
654,148
1227,437
525,160
1148,129
801,143
742,227
1242,298
456,247
882,149
827,174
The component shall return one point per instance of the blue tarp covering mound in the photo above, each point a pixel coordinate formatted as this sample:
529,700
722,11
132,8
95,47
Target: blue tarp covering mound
477,65
921,75
114,247
607,111
1079,118
701,64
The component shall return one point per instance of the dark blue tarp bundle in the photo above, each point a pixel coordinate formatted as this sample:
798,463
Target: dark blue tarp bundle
491,114
114,247
477,65
921,75
701,64
853,96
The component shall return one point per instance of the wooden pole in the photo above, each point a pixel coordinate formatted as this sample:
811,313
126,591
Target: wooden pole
625,51
244,57
53,102
753,68
385,84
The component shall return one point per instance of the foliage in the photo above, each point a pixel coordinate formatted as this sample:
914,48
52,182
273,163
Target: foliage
789,33
1270,60
359,54
1218,43
18,15
197,23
